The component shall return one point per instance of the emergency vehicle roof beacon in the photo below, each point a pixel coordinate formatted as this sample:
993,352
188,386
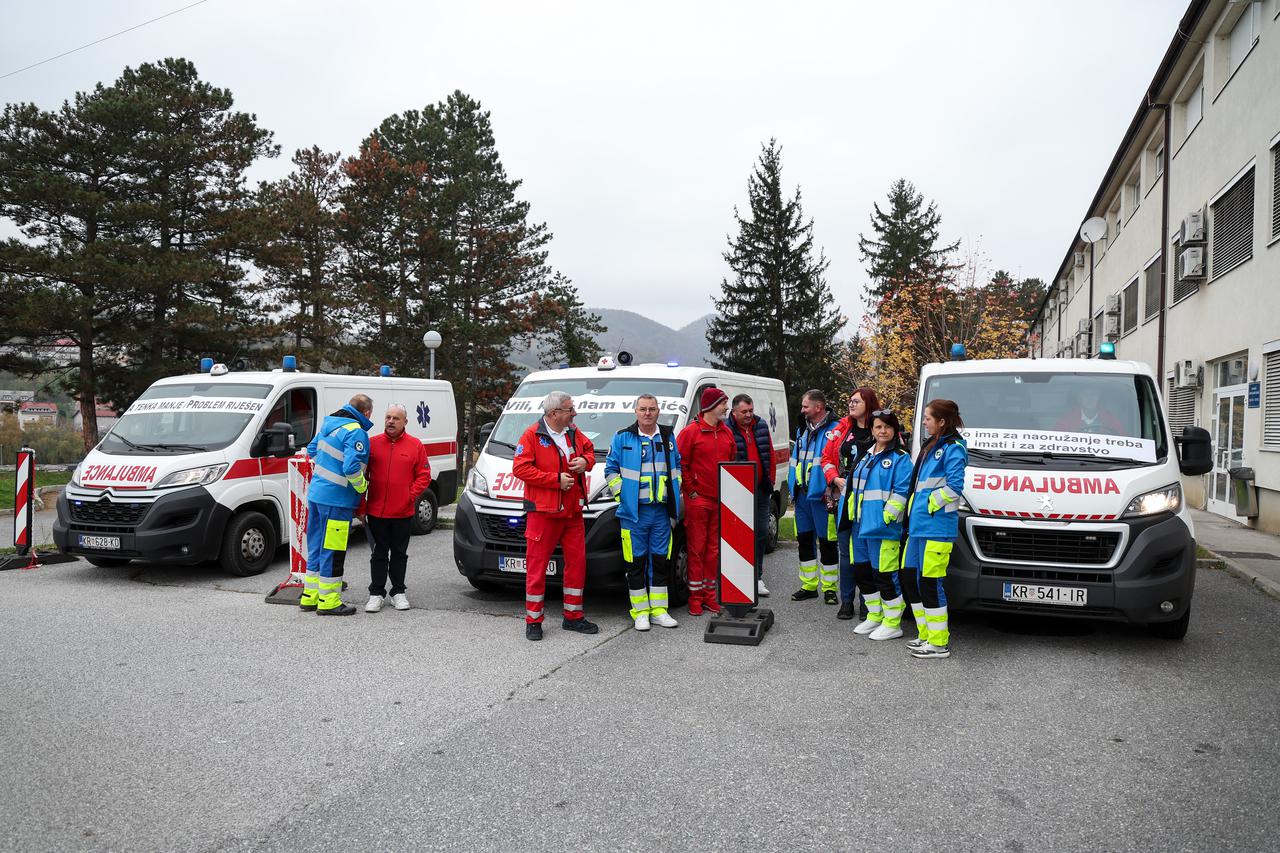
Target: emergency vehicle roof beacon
488,543
196,468
1073,502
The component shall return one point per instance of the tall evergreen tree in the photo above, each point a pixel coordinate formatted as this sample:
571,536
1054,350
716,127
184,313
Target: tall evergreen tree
905,246
777,316
565,332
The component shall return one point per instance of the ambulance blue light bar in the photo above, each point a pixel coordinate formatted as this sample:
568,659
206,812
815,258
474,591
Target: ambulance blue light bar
673,363
385,370
957,352
206,364
289,363
1107,350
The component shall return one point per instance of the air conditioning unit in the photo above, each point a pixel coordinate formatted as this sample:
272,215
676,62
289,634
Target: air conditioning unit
1050,305
1082,328
1064,286
1113,304
1082,343
1192,230
1112,328
1067,351
1191,263
1187,373
1079,259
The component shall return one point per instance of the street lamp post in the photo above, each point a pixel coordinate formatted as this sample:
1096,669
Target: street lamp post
431,340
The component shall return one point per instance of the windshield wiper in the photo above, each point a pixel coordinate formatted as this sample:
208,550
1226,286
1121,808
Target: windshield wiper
176,446
133,445
502,443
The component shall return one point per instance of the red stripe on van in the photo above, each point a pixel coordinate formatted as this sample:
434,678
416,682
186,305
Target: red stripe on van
243,468
441,448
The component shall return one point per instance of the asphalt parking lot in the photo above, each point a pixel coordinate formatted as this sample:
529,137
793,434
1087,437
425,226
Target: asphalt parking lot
166,708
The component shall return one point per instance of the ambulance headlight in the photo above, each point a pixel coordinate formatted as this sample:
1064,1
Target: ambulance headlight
201,476
477,484
75,475
964,505
1167,499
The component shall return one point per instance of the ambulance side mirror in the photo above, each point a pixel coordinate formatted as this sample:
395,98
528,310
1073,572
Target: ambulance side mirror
1195,451
485,431
279,440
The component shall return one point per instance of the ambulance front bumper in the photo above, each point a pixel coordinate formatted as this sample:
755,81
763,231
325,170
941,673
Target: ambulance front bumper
183,527
1009,566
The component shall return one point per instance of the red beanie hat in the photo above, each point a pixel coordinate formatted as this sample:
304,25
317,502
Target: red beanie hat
712,397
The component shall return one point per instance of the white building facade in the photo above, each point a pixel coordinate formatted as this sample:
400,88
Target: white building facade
1192,286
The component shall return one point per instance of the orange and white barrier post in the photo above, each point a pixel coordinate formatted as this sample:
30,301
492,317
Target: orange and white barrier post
24,501
300,468
744,624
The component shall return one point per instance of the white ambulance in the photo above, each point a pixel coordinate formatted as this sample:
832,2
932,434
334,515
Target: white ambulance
1073,500
196,469
488,532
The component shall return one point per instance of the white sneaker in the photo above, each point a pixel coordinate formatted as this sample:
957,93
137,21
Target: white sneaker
400,600
761,590
884,632
928,651
663,620
642,622
865,627
374,605
917,643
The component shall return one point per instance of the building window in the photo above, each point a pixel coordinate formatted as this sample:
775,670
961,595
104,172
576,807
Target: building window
1129,308
1193,108
1230,371
1135,190
1159,159
1181,406
1232,226
1275,191
1151,281
1271,408
1243,35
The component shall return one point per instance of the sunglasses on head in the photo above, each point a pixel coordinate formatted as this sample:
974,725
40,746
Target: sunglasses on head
882,413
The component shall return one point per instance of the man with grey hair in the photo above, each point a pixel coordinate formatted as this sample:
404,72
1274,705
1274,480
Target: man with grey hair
398,475
552,459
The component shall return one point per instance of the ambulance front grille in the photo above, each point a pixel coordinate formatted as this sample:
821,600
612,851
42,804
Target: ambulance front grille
107,512
1069,547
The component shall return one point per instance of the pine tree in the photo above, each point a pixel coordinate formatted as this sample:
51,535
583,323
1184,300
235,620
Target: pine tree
777,316
565,332
905,247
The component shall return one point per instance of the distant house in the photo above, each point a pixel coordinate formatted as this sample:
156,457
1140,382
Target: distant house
34,413
107,418
11,400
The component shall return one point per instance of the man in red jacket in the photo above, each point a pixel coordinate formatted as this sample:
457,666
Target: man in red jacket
398,475
552,459
703,445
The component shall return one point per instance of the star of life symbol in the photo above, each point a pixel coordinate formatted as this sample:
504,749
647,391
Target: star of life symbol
1046,503
424,413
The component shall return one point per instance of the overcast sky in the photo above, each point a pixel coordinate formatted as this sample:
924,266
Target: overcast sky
634,126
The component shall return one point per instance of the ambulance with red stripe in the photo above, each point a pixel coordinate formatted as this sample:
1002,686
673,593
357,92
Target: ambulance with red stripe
197,468
1073,502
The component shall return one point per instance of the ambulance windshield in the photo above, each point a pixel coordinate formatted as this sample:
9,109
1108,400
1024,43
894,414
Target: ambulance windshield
604,404
188,417
1082,418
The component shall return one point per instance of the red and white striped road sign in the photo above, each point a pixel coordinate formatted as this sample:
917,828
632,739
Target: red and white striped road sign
738,533
23,505
300,468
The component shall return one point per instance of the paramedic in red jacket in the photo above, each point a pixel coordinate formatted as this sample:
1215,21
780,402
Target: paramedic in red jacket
703,445
398,475
552,459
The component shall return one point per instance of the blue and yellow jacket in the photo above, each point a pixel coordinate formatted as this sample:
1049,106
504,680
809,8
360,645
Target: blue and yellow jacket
877,493
805,474
340,452
939,482
638,470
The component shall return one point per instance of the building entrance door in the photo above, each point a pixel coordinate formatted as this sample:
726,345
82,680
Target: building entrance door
1228,448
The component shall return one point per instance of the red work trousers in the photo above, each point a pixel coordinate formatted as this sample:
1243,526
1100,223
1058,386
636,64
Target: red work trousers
702,539
542,534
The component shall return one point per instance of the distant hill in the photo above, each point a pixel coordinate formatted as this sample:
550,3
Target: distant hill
646,340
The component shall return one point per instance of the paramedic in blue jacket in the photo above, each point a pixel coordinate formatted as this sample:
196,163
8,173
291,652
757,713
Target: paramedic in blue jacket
340,453
643,472
877,503
932,523
815,524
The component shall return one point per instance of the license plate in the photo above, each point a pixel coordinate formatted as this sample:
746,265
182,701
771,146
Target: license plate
102,543
517,565
1072,596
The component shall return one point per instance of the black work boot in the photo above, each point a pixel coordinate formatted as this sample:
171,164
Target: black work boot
533,631
830,597
582,626
340,610
804,594
846,610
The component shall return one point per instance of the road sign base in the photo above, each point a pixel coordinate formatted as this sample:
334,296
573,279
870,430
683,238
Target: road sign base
747,631
288,592
13,561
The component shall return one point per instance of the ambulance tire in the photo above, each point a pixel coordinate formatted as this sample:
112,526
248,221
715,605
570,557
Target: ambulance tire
426,513
1175,630
771,541
678,586
108,562
248,545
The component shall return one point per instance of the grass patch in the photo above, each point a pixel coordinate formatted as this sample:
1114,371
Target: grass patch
48,546
9,481
1203,553
787,529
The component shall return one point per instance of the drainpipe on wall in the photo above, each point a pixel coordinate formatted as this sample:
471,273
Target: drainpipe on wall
1093,345
1165,258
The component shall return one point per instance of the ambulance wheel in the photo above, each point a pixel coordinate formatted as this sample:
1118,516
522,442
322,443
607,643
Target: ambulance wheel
1175,630
678,587
108,562
771,541
428,510
248,545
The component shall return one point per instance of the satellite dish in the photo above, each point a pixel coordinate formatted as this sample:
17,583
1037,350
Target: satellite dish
1093,229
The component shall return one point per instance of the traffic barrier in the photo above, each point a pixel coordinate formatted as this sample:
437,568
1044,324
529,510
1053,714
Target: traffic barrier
289,591
744,624
25,555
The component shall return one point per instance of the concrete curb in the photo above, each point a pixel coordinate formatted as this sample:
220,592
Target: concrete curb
1231,567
